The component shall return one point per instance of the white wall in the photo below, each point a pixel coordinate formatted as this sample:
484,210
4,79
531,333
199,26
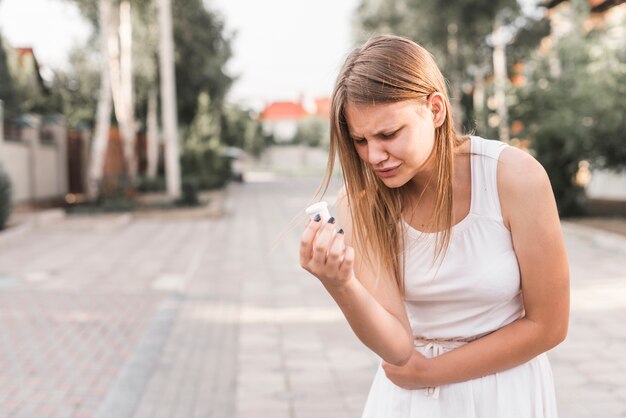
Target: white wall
47,173
607,184
283,130
13,156
37,171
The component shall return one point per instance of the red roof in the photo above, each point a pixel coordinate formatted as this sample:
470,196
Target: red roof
23,53
283,110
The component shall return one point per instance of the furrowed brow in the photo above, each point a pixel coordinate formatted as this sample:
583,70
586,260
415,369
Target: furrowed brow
388,130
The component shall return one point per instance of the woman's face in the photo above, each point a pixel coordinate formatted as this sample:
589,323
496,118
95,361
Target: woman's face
395,139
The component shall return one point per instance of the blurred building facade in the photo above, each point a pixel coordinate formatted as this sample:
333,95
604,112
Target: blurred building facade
34,155
282,119
33,148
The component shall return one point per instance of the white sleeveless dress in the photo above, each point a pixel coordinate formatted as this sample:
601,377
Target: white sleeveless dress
473,292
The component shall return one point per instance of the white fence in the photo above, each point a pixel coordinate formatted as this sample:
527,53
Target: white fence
37,166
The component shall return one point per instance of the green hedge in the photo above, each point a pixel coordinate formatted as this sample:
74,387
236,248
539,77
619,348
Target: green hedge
208,167
5,198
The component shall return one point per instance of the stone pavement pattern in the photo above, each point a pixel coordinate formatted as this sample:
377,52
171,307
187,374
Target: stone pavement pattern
213,318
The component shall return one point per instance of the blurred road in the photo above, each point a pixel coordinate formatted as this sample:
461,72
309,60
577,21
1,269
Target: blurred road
115,317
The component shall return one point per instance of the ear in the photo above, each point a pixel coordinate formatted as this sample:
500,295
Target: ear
437,106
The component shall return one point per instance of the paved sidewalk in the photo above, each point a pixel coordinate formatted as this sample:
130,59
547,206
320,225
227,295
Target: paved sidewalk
182,318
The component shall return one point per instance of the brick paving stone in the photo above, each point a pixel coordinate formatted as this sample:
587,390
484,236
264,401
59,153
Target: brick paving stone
251,334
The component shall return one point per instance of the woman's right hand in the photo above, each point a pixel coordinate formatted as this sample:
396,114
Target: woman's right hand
324,254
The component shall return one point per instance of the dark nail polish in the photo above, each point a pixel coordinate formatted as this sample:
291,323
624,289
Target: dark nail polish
340,231
317,218
331,220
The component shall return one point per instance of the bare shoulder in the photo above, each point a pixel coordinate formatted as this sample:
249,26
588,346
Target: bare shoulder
523,185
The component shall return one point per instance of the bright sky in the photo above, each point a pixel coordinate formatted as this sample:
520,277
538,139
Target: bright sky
283,48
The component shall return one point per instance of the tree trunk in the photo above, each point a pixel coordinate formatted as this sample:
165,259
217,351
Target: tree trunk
152,137
479,99
127,121
103,113
120,64
500,77
168,97
456,91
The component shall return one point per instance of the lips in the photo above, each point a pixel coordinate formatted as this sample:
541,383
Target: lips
387,172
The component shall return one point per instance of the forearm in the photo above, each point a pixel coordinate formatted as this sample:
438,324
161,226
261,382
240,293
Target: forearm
376,327
503,349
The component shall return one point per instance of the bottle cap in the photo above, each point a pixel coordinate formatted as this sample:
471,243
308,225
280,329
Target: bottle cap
320,208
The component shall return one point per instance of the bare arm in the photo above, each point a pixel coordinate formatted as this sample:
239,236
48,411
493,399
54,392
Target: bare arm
371,304
529,211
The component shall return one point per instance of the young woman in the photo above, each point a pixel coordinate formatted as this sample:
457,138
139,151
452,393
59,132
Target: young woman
450,264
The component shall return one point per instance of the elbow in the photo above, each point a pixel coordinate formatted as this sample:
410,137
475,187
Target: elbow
561,334
402,357
557,335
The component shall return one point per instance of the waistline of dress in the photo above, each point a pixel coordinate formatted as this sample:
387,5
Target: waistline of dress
437,346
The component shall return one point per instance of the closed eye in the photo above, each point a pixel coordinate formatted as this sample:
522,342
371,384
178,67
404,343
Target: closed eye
390,135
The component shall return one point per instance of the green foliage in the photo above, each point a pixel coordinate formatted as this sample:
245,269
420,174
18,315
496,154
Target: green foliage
460,26
202,156
5,198
190,191
209,166
455,33
202,51
25,93
117,194
79,87
573,107
241,129
314,132
147,184
8,94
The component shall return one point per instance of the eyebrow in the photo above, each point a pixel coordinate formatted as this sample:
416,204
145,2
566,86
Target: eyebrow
379,133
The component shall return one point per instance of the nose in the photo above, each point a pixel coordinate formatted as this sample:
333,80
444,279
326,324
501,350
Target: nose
376,153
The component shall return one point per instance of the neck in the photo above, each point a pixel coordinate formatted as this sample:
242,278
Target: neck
425,180
424,183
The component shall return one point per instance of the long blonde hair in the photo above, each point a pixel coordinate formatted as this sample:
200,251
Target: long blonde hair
389,69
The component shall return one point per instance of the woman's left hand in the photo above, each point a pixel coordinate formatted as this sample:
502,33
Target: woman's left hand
411,376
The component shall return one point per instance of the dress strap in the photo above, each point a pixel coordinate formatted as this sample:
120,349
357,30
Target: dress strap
484,165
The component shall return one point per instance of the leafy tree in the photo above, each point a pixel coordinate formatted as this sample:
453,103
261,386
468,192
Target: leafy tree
78,87
7,90
312,132
572,107
455,32
240,128
203,161
202,51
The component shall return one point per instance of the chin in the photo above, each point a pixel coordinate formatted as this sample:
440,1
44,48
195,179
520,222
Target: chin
395,182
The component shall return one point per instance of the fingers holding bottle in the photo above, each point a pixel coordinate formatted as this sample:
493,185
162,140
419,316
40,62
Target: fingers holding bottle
307,240
323,253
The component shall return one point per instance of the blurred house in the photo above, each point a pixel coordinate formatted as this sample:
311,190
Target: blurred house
26,77
282,119
35,157
25,69
322,107
33,148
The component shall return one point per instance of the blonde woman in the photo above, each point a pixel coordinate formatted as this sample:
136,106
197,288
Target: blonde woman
450,264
